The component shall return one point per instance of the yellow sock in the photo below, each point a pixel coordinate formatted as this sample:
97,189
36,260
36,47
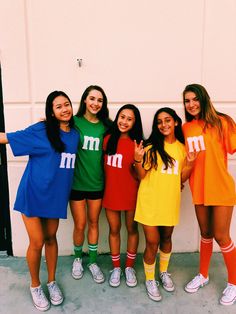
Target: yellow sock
164,261
149,271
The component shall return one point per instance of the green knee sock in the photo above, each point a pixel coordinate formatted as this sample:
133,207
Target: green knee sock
78,251
92,253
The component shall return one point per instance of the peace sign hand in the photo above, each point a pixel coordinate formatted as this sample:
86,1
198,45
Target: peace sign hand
138,151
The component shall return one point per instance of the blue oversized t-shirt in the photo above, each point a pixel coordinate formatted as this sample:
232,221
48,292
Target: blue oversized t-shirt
46,183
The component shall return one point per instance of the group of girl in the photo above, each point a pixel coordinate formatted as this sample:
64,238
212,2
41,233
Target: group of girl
143,179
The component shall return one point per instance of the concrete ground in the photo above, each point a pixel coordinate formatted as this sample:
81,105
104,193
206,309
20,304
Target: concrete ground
86,297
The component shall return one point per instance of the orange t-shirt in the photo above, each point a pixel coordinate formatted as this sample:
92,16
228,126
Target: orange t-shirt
210,181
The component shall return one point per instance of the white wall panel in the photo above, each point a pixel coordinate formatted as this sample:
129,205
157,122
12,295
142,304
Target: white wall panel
14,54
134,49
219,62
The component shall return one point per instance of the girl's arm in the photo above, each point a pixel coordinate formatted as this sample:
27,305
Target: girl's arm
188,166
138,160
3,138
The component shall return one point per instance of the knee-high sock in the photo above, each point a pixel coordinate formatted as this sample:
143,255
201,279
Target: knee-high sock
149,271
130,259
164,261
229,254
206,247
78,250
93,248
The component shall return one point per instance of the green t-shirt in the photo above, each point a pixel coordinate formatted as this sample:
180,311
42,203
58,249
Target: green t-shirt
88,174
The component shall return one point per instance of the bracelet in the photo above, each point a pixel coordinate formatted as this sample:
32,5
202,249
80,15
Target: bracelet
137,161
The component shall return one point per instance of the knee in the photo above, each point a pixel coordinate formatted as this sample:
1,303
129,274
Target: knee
50,240
166,239
152,246
80,227
37,245
222,239
132,229
115,231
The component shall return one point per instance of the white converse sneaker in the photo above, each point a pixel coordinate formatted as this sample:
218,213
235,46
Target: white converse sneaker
153,290
198,282
56,296
39,298
229,295
167,282
77,268
130,275
96,272
115,277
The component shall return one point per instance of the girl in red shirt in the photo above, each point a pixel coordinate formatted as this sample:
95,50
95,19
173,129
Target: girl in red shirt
121,187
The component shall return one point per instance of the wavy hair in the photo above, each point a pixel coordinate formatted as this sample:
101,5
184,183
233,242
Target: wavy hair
157,139
208,113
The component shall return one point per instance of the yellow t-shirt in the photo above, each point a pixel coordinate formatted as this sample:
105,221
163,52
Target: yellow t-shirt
159,193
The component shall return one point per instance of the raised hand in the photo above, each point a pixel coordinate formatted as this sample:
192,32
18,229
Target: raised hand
138,151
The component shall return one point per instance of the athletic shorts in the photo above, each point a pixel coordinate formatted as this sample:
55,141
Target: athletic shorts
76,195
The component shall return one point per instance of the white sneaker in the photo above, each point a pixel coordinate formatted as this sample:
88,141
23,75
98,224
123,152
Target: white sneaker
96,272
130,275
77,268
56,296
153,290
167,282
229,295
198,282
39,298
115,277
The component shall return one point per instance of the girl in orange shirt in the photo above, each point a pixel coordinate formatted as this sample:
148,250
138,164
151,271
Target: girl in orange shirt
213,135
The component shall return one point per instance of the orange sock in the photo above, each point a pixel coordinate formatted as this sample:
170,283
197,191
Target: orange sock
229,254
206,247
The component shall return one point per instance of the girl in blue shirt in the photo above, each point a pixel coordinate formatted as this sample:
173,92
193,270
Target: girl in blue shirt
43,193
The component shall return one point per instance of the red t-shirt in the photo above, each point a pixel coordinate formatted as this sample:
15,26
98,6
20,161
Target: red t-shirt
120,184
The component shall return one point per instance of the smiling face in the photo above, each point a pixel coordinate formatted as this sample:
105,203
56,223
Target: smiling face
93,102
166,125
192,104
62,109
126,120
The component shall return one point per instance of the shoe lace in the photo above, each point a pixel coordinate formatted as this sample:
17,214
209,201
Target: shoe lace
54,289
95,269
166,277
77,265
115,273
153,284
230,290
130,272
38,292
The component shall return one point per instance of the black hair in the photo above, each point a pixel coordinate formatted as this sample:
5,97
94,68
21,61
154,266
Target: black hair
136,133
156,140
52,124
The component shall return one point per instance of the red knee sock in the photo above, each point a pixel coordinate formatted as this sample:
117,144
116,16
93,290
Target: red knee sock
115,260
229,254
130,259
206,247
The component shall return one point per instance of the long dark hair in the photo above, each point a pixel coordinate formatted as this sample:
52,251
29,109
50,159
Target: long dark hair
136,133
156,140
208,113
52,124
103,114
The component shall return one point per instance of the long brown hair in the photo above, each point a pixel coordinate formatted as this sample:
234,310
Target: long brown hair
208,113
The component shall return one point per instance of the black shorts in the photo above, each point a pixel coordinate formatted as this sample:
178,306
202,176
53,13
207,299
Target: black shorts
76,195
